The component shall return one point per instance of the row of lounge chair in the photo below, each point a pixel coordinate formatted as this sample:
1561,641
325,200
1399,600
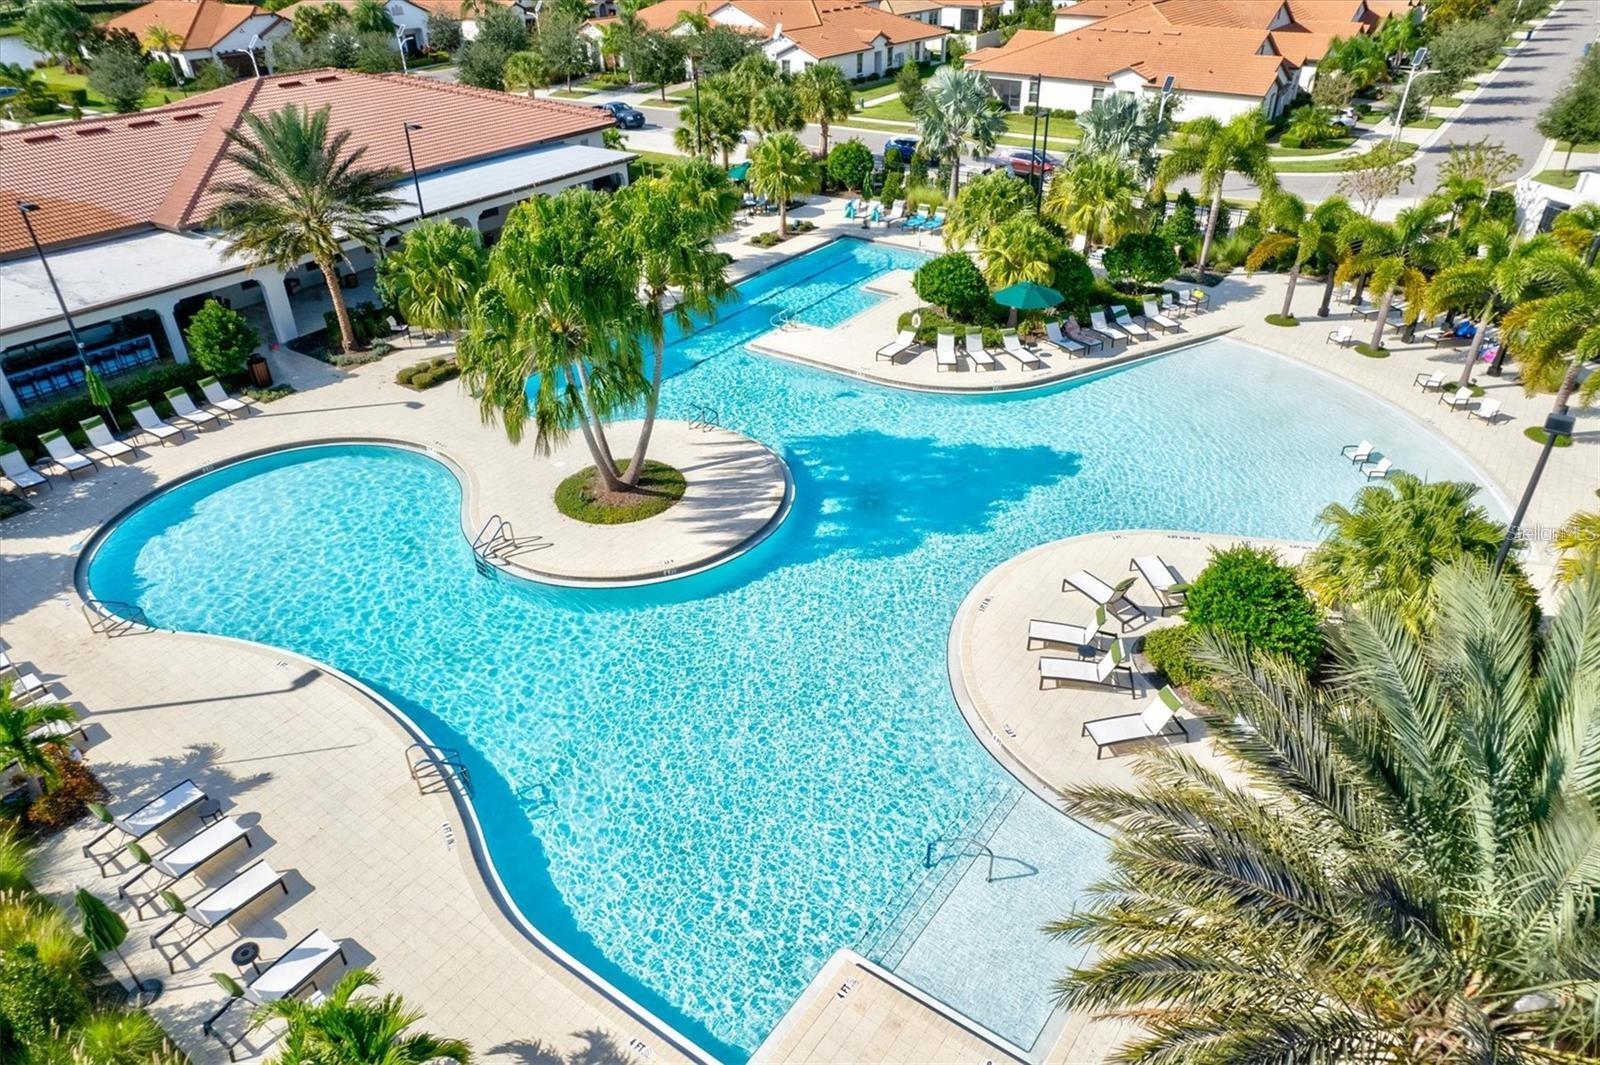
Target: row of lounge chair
1460,399
1367,459
198,916
107,448
1103,655
1063,337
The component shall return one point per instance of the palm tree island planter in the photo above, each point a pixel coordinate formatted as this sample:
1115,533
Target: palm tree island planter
584,496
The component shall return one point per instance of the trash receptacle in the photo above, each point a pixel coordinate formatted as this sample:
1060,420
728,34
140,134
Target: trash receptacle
260,372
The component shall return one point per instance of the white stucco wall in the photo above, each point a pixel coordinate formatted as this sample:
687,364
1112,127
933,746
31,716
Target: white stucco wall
1063,95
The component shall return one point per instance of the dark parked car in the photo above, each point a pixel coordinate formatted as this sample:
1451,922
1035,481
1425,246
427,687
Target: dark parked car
627,117
904,145
1030,162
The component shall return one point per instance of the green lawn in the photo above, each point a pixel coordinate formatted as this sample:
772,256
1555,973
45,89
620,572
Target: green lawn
1327,166
1581,147
59,81
572,94
1561,179
1445,101
1426,122
889,111
649,163
1337,144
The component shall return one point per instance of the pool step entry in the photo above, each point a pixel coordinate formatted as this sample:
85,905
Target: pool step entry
496,542
945,860
112,617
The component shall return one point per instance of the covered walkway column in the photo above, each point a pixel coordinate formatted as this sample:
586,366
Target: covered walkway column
169,323
279,310
8,399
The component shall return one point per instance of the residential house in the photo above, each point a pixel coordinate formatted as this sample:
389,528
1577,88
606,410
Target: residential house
135,259
233,34
410,17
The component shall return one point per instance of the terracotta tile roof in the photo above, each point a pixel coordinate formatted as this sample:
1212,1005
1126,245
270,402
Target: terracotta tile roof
1100,8
822,28
909,7
1299,46
201,23
154,168
1201,58
450,8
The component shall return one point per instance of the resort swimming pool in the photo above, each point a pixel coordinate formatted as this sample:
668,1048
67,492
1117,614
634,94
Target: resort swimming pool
704,788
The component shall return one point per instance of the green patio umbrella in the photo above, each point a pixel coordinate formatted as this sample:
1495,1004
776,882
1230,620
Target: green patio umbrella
99,395
1028,296
737,172
106,931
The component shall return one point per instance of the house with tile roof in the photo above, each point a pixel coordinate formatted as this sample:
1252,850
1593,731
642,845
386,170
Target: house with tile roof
208,29
135,258
411,17
1224,57
861,40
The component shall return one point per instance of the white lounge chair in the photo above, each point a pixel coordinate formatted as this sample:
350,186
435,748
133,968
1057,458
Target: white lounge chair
1013,345
1154,723
1063,634
1097,320
1488,410
978,353
184,410
1378,469
1172,302
945,352
102,444
151,424
58,730
26,688
1089,672
904,342
159,811
1343,336
182,858
1063,343
218,906
1088,336
1358,453
284,978
1162,579
18,472
1460,399
1126,323
64,455
1429,381
1103,594
1153,315
218,399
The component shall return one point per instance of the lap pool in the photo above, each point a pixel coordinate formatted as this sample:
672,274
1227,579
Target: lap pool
704,788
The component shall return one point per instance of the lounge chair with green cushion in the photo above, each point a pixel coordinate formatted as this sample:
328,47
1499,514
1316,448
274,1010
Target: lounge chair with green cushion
151,425
217,399
102,444
1089,672
184,410
64,455
17,471
1154,723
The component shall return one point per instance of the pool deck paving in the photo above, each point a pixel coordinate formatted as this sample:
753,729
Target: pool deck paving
320,772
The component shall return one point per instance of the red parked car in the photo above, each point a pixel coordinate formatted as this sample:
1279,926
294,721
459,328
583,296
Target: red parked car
1030,163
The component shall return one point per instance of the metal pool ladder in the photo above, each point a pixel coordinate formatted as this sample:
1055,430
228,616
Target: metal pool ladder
496,542
436,768
112,617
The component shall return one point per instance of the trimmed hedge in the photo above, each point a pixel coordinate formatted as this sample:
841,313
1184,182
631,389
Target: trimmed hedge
151,385
429,373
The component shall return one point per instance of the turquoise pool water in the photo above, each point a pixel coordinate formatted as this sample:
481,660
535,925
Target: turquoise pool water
704,788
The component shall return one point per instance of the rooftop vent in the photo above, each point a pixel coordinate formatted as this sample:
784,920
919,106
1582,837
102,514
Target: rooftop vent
42,138
290,84
191,116
326,78
143,123
92,131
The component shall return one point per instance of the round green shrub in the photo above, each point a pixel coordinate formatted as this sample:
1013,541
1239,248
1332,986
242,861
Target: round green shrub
220,339
1371,352
1142,258
1537,434
1074,279
1285,320
1249,596
954,283
37,999
850,164
1172,652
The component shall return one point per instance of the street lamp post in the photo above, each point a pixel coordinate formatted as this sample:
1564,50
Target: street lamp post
255,42
412,157
405,68
1166,93
699,116
1418,58
25,210
1556,424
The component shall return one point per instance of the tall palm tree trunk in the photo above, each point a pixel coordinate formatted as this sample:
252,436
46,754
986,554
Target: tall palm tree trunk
630,476
1568,384
347,330
1211,231
1476,345
1288,295
823,123
1327,293
783,215
597,449
598,428
1383,316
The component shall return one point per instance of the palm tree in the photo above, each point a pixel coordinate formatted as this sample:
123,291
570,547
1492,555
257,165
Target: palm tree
1361,59
561,307
1388,545
1578,541
115,1037
1097,197
20,743
1288,228
1115,125
957,111
1575,229
713,115
1391,257
1494,280
356,1031
1211,150
524,72
780,168
988,200
670,222
303,196
619,35
1400,863
825,97
435,273
1019,249
371,16
775,109
1556,335
159,38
